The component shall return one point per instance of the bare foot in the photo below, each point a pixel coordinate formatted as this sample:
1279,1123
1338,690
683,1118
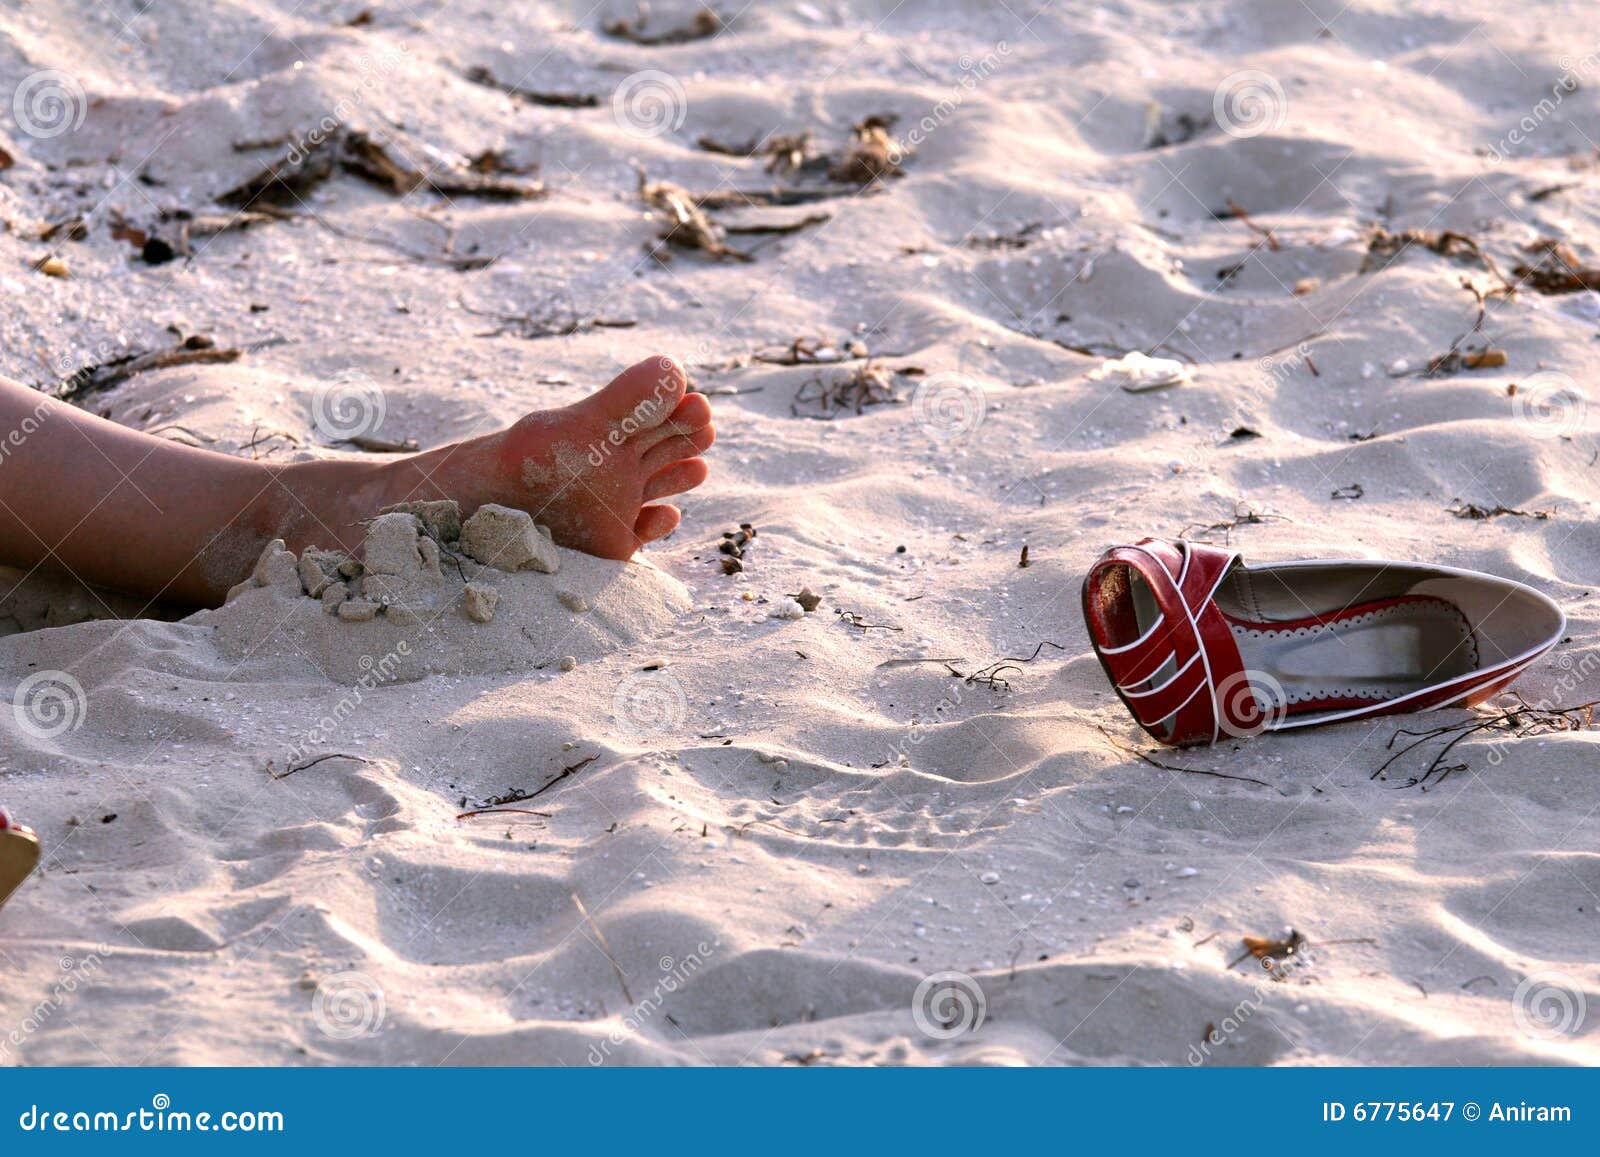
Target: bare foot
592,471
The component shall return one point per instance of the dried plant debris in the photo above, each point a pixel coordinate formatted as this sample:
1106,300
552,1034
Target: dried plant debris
286,183
732,547
872,154
196,349
1276,953
1162,131
553,320
1471,510
686,226
1471,350
783,152
544,99
847,392
1556,268
374,159
1018,238
175,232
993,676
1519,719
807,351
705,24
1348,493
1383,247
1243,515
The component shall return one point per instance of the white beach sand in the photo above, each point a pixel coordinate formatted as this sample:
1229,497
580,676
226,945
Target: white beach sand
775,827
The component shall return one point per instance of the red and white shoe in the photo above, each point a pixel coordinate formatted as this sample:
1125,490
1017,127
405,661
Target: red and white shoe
19,853
1202,647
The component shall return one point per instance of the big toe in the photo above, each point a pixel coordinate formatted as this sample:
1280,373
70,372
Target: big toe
644,395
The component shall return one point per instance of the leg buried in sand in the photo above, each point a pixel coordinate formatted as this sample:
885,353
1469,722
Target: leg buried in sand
123,509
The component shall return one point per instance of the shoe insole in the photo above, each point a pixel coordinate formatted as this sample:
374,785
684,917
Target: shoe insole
1362,654
19,854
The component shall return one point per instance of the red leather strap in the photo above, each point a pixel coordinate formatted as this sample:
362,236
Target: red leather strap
1182,677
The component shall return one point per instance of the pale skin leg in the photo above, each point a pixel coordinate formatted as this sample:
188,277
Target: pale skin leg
142,514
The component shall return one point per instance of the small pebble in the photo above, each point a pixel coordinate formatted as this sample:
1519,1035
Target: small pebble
569,662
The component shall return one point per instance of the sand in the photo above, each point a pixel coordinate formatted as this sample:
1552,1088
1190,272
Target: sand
755,837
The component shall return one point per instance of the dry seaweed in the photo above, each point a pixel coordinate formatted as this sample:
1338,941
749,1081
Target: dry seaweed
1556,268
850,391
1482,513
195,350
480,75
1520,720
993,676
554,321
784,152
1384,247
1146,757
705,24
1019,238
1264,235
872,153
1243,515
372,158
1349,493
286,183
686,225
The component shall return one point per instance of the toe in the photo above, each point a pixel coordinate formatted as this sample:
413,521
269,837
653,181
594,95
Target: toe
676,479
642,396
692,413
678,447
657,522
